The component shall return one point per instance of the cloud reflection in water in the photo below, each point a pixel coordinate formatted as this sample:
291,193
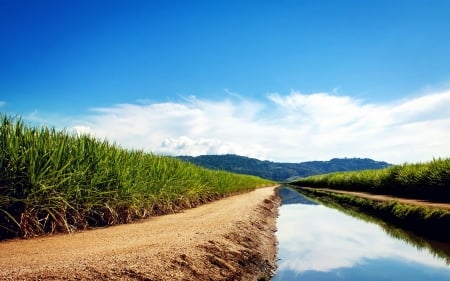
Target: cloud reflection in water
320,239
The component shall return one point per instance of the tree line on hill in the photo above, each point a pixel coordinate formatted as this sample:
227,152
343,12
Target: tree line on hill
279,171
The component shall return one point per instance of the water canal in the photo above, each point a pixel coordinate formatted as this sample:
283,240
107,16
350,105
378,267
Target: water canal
322,243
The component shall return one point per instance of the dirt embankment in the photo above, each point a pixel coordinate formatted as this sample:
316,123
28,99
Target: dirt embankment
230,239
380,197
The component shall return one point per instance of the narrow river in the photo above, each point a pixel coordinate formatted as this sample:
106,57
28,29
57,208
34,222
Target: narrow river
322,243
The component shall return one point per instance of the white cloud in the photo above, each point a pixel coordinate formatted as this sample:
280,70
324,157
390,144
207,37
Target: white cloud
82,130
187,146
2,103
292,128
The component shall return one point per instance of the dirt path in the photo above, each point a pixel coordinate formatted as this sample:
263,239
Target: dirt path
229,239
387,197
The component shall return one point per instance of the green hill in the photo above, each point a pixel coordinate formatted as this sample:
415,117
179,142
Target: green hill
281,171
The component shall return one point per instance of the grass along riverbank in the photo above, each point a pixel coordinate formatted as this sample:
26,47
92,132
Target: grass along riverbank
428,222
53,181
438,249
427,181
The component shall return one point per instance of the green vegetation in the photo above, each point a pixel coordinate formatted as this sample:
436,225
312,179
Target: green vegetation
52,181
429,181
328,199
425,221
281,171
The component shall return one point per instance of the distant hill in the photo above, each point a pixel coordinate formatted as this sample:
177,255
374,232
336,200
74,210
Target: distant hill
281,171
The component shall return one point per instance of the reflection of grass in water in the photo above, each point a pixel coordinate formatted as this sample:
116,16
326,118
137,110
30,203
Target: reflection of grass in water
289,195
332,200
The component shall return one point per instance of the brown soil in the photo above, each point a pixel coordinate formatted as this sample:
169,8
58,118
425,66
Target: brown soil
229,239
387,197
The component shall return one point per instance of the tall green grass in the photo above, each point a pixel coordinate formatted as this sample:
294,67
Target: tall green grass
402,221
430,180
54,181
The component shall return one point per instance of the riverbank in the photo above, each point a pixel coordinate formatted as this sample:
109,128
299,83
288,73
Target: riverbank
427,219
424,181
229,239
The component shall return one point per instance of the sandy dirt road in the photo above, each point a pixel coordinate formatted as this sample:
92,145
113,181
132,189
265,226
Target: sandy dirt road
229,239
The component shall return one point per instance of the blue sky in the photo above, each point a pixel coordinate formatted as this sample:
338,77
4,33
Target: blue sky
278,80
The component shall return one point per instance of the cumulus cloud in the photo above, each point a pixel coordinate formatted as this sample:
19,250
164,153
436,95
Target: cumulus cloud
81,130
291,128
186,146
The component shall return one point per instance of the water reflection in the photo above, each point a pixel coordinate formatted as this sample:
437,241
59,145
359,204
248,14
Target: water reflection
290,196
438,249
319,243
